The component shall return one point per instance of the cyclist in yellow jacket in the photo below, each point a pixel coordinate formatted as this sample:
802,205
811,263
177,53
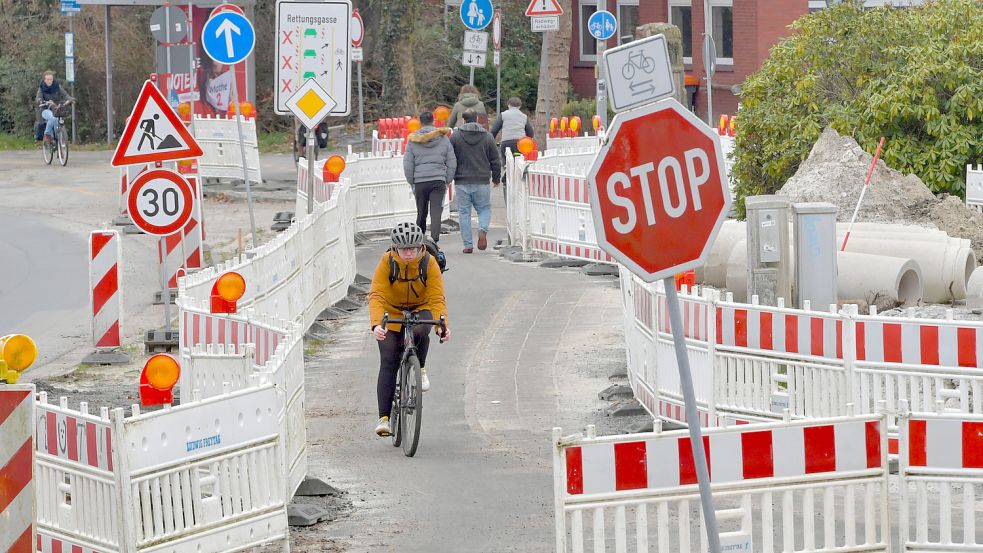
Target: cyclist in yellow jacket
407,278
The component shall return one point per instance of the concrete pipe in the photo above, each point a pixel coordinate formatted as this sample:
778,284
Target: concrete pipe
863,277
882,231
945,268
714,272
974,288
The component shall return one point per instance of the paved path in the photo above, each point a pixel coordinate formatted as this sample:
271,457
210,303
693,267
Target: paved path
531,349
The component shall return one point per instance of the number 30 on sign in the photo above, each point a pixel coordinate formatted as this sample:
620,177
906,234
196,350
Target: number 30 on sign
160,202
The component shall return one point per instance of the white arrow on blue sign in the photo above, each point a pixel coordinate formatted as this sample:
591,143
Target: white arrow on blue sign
476,14
602,25
228,37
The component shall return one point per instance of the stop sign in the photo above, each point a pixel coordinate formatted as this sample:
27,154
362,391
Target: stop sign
658,190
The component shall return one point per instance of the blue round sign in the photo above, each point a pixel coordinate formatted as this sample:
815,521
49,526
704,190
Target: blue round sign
228,37
602,25
476,14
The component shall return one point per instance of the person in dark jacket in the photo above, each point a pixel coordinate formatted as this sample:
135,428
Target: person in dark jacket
477,163
513,124
49,91
429,165
469,98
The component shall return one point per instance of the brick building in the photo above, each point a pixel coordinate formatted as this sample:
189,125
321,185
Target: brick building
744,32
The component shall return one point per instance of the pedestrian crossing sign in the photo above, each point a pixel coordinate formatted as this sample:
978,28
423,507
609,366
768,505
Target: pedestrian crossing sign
154,132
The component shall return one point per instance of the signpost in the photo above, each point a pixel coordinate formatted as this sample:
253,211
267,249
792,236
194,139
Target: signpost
638,73
545,18
602,26
228,38
659,196
475,50
358,35
311,104
312,42
160,203
70,66
709,57
497,43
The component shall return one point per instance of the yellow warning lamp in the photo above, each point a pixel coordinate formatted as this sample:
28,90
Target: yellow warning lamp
553,124
564,124
413,125
441,115
527,147
157,380
226,292
732,126
722,126
333,168
17,353
248,110
184,111
596,122
575,125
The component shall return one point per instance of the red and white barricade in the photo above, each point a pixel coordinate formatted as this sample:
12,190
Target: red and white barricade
16,468
820,485
559,220
184,249
105,288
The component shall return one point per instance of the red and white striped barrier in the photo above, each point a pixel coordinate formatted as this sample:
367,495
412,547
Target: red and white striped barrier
780,331
184,249
105,288
695,317
72,436
923,342
16,468
738,455
47,543
199,329
945,443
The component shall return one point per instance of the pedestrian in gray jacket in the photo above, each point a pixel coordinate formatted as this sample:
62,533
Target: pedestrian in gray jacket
429,166
513,124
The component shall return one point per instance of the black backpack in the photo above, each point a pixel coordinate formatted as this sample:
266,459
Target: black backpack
432,249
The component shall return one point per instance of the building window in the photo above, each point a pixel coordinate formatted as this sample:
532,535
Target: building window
626,12
722,12
681,15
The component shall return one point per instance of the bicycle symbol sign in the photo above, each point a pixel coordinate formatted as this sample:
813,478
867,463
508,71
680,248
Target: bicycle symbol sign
602,25
638,73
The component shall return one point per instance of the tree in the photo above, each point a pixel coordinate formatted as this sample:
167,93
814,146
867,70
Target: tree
912,75
557,71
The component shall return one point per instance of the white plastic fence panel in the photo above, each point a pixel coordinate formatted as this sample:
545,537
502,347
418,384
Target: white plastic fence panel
974,187
813,486
386,146
941,472
222,156
580,143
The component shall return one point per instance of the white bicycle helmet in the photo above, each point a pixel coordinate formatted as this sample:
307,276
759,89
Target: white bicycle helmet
407,235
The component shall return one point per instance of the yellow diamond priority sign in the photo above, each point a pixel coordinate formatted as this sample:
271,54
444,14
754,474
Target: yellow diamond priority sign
311,103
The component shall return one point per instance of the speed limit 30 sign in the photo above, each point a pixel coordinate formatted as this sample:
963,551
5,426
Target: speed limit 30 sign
160,202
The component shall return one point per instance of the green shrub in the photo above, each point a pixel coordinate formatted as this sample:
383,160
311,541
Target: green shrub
912,75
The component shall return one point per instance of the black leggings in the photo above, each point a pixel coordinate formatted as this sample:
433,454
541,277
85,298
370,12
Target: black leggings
430,197
390,353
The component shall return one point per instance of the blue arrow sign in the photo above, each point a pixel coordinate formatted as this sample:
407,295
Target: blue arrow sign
476,14
602,25
228,37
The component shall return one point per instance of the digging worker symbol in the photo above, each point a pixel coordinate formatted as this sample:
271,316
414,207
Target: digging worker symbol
149,128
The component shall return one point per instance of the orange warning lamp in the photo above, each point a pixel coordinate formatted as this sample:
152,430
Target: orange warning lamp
732,127
441,115
553,124
564,123
333,168
157,380
184,111
575,125
596,122
17,353
413,125
226,292
231,112
722,126
248,110
527,147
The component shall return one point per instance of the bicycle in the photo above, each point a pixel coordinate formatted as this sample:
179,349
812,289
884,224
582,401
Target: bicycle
406,415
59,140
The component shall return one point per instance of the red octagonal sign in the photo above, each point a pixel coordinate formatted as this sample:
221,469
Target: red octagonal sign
658,190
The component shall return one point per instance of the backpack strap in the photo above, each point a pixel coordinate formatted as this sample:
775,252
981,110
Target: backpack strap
424,265
393,269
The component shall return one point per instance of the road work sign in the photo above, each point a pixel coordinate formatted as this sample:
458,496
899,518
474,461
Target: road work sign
657,190
154,132
639,73
312,42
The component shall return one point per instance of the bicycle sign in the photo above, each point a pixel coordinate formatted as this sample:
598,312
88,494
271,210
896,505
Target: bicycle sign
160,202
602,25
639,73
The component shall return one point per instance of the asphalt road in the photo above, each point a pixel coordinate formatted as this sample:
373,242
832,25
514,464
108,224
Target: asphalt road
530,350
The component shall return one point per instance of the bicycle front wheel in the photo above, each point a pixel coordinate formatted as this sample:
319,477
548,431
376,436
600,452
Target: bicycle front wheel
48,151
62,146
394,426
411,416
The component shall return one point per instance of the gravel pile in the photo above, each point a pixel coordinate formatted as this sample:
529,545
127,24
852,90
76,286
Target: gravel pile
835,172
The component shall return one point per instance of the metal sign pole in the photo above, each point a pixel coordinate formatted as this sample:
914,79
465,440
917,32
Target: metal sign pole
600,101
310,171
707,43
242,150
471,78
71,30
165,293
361,106
192,72
692,416
498,87
545,66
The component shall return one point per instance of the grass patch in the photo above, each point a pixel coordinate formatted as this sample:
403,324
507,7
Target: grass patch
16,142
275,142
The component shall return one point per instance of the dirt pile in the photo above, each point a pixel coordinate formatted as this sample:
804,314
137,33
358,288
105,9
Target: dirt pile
835,172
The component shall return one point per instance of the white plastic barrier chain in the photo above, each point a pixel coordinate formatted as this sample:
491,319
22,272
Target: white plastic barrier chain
222,158
974,187
819,485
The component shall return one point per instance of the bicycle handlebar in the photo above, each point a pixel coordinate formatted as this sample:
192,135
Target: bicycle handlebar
413,321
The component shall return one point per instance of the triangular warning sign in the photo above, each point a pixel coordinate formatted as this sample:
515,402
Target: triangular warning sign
154,132
544,7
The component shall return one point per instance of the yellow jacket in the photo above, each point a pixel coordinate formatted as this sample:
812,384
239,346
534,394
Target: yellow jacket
408,292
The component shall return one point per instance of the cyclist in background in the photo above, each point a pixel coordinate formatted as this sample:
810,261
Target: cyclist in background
407,278
49,91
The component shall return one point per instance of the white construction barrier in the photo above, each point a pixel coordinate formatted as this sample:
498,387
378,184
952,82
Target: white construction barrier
17,480
387,147
578,143
804,486
222,157
106,288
